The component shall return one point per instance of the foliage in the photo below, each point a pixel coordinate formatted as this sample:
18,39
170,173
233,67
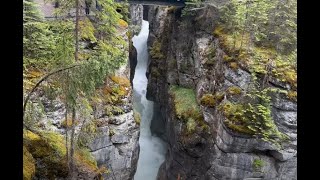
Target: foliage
88,132
257,164
68,123
124,8
48,46
253,117
87,30
50,148
208,100
272,23
155,50
260,60
261,34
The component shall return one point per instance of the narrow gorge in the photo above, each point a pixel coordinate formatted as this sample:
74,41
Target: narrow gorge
206,90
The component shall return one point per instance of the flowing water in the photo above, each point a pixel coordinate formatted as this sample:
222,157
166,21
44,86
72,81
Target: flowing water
152,148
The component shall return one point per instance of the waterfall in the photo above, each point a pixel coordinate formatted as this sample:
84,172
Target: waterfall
152,148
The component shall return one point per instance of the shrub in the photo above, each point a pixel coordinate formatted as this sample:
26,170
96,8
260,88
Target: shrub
207,100
234,90
257,164
137,117
253,117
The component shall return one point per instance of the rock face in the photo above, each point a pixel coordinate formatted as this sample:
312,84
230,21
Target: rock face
117,148
136,15
218,153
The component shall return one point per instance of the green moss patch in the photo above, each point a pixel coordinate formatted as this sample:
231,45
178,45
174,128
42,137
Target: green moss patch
211,100
185,103
234,90
49,149
137,117
187,109
155,50
257,164
28,165
208,100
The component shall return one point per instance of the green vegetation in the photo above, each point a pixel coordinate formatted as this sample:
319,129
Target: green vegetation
234,90
69,60
187,110
155,50
211,100
87,30
50,148
89,131
208,100
185,103
111,132
137,117
253,117
261,35
28,165
292,95
257,164
233,65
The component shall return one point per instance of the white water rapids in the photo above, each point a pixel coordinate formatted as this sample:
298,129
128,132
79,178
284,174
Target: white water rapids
152,148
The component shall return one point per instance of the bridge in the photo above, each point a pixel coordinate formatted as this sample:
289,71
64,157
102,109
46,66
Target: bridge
179,3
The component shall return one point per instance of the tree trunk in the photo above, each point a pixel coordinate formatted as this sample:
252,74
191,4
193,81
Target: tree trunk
77,31
244,27
72,140
71,165
67,149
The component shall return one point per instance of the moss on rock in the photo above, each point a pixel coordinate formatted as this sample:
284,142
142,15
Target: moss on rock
28,165
137,117
49,149
234,90
208,100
